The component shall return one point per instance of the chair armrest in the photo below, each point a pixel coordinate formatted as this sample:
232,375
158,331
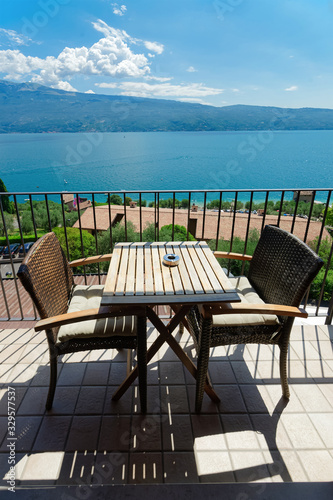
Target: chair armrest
74,317
277,309
91,260
232,255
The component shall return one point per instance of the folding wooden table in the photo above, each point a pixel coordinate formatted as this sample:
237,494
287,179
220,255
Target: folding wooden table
138,281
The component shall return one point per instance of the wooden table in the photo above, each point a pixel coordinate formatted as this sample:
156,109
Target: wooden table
138,280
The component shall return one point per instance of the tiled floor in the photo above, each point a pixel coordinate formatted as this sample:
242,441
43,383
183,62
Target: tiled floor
252,436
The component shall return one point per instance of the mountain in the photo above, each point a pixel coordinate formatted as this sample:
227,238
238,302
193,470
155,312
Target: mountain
27,107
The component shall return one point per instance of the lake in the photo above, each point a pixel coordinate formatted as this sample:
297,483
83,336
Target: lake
167,160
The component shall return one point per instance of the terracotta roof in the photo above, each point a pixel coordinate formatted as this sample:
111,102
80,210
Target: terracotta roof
181,218
68,198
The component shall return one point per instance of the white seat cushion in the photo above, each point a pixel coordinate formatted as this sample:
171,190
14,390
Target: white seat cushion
89,297
247,295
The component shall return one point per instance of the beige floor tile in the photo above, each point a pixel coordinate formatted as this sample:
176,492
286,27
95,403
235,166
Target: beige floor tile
323,423
171,373
96,374
207,433
327,390
104,355
11,354
76,357
304,351
231,399
285,466
312,398
115,434
173,399
221,372
180,468
301,431
111,468
214,466
121,407
77,468
262,352
177,433
23,373
18,336
270,432
43,468
208,406
34,401
239,432
319,370
19,395
146,433
117,373
324,348
83,433
52,434
71,373
246,372
309,332
250,466
90,401
5,372
318,464
145,468
35,353
25,433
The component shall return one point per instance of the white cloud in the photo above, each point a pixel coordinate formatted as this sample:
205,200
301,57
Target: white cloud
195,100
158,78
14,38
110,56
191,69
119,10
235,90
89,92
154,47
292,88
142,89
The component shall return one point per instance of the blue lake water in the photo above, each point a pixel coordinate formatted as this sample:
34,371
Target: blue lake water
167,160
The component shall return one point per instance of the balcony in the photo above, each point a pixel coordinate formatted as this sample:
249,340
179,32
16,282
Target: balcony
252,444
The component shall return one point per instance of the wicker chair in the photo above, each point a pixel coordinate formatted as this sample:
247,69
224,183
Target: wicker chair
71,314
281,270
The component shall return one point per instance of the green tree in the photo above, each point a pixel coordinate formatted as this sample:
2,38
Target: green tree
118,235
74,242
26,222
165,233
7,205
9,221
329,217
115,199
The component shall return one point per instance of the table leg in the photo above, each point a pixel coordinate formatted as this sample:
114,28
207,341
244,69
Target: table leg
165,336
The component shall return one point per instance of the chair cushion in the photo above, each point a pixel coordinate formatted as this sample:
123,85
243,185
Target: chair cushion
89,297
247,295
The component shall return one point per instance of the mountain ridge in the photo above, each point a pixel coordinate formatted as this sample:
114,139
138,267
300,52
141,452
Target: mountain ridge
32,108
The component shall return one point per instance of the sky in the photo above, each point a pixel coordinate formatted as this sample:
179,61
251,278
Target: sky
215,52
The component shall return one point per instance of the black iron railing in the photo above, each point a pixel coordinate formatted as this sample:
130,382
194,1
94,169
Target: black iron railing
202,215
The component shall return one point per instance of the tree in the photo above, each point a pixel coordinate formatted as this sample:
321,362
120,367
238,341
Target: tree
26,222
118,235
115,199
7,205
74,242
165,233
9,221
329,217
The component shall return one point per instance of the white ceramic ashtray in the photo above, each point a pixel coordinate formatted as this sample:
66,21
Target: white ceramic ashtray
170,259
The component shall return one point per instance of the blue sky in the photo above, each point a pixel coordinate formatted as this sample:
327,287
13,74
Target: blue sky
219,52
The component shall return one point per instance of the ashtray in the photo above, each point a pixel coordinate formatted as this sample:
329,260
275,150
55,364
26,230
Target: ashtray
171,259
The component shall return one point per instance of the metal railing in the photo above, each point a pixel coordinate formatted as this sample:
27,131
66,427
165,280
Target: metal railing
211,220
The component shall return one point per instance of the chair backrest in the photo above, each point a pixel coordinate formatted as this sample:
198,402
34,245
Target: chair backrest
47,277
282,267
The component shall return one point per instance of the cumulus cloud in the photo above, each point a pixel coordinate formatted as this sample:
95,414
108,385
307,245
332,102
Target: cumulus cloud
191,69
292,88
14,38
110,56
119,10
142,89
89,92
154,47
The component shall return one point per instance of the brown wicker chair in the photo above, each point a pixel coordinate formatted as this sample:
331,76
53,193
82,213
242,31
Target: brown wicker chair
281,270
76,321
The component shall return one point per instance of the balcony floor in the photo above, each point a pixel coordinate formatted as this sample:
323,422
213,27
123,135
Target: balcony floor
87,439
